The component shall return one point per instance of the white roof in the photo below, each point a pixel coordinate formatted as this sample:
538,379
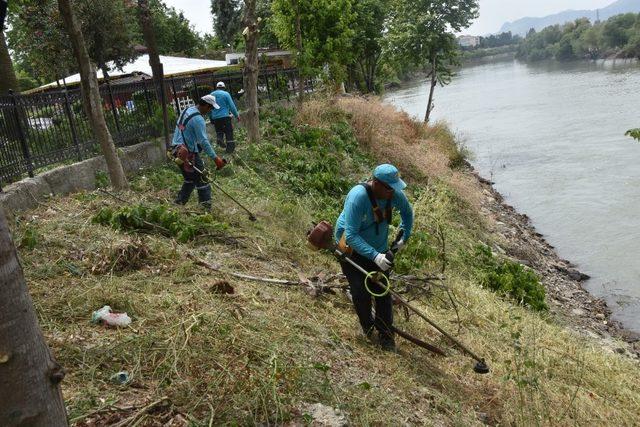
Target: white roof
173,65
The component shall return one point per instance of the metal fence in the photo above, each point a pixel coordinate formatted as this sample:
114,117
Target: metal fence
45,129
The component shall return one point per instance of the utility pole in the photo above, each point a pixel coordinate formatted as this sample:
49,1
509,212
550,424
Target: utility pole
146,22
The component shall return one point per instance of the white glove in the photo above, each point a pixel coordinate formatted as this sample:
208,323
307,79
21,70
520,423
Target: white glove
399,245
382,262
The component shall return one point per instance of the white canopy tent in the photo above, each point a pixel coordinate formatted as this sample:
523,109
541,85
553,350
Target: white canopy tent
173,66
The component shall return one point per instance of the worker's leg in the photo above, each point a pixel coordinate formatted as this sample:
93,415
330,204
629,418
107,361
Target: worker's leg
219,125
384,320
204,188
360,297
187,187
228,131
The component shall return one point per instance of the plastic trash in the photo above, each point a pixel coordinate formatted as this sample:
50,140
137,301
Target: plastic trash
107,317
120,378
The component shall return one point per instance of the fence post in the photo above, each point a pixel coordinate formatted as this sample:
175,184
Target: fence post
72,124
21,134
146,97
266,80
114,110
195,89
175,95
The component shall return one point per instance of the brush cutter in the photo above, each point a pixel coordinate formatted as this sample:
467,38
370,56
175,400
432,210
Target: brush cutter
252,217
321,237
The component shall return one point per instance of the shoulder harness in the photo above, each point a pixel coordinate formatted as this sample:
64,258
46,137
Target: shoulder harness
379,215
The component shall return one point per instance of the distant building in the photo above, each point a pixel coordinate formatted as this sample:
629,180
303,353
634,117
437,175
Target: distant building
469,41
270,57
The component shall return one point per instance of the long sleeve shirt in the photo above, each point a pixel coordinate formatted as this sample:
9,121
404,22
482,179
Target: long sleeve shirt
358,224
227,106
195,133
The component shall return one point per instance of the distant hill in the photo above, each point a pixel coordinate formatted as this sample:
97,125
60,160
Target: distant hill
522,26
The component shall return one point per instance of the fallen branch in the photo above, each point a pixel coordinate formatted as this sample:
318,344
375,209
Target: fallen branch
429,347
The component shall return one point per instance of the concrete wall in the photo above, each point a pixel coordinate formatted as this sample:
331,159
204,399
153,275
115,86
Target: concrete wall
80,176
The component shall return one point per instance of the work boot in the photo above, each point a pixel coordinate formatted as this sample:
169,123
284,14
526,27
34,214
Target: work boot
388,344
204,196
185,193
221,143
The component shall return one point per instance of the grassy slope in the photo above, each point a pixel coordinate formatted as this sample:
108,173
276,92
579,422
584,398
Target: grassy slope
265,353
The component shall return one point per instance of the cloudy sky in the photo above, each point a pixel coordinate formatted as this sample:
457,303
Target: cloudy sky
493,13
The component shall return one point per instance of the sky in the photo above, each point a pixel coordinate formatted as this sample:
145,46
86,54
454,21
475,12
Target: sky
493,13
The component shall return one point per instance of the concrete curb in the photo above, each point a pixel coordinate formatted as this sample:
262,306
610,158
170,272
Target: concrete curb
81,176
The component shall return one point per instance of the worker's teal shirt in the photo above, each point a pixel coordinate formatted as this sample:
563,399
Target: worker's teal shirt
227,106
358,223
195,133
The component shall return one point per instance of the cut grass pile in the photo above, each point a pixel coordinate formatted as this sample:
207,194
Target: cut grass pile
264,354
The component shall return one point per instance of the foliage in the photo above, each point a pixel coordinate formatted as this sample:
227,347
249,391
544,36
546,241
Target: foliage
415,256
326,32
634,133
159,218
510,279
619,36
499,40
102,179
227,20
157,122
368,42
174,33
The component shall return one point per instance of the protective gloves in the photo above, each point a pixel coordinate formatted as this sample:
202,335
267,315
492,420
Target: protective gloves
220,162
383,262
398,245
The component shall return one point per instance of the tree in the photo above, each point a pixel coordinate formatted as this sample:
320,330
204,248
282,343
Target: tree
368,26
29,375
318,31
634,133
8,78
174,33
421,32
251,35
227,19
92,100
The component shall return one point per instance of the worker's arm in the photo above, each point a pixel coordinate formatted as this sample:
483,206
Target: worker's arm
401,203
356,207
202,137
232,106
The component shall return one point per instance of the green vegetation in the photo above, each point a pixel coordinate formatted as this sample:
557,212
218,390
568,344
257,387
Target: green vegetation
161,219
510,279
634,133
617,37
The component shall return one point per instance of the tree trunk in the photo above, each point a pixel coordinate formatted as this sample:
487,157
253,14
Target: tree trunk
299,48
29,375
8,78
434,82
251,69
91,96
156,66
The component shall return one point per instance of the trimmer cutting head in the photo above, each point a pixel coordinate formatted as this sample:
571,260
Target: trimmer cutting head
481,367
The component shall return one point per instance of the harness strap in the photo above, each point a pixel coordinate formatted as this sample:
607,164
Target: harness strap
182,125
378,215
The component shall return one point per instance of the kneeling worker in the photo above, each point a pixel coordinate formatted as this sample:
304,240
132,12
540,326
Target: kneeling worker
363,230
189,139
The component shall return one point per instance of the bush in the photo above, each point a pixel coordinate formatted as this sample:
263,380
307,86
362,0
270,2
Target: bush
510,279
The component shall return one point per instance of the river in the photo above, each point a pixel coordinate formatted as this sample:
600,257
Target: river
551,137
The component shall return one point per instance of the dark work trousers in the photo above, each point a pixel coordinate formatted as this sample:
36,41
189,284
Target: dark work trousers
383,321
193,180
224,130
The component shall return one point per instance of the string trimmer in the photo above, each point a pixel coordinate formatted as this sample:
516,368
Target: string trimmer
180,162
322,237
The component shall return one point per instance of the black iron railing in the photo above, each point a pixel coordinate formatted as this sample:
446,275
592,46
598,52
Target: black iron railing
51,128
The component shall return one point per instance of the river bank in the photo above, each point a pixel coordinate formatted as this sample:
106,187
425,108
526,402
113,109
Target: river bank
570,302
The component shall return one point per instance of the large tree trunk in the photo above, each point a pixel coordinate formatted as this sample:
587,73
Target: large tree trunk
91,96
299,48
251,69
29,375
434,82
7,74
156,66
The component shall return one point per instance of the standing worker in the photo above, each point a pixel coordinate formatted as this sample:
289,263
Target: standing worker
362,232
189,139
221,118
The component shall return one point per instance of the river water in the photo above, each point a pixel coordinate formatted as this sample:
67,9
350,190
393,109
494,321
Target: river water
551,137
